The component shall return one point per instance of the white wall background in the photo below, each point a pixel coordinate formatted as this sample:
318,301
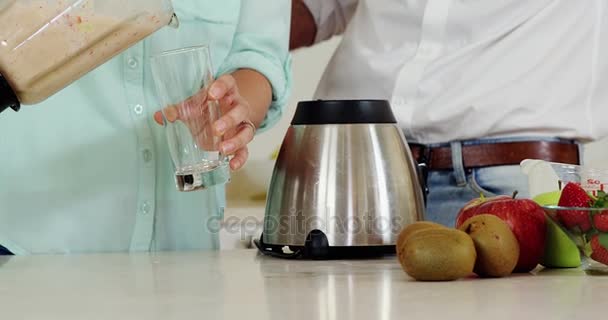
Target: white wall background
308,65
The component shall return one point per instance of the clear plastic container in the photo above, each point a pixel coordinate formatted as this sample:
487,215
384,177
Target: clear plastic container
546,180
546,177
45,45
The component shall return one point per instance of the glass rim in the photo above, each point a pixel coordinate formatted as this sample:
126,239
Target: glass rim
554,207
203,47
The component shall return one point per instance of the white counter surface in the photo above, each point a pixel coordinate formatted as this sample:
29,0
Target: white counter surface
241,285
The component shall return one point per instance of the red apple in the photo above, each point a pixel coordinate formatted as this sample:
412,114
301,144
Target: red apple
526,219
477,201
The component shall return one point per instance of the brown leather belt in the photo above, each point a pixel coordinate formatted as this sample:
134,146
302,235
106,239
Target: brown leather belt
497,154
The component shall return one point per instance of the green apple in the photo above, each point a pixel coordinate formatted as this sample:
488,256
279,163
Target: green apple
560,250
548,198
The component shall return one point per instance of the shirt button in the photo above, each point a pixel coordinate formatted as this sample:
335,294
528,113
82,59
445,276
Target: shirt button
147,154
145,207
132,62
139,109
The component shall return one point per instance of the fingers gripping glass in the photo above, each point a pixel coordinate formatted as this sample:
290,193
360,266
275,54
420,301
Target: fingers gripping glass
182,78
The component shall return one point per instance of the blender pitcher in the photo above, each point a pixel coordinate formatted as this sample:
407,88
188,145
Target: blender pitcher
45,45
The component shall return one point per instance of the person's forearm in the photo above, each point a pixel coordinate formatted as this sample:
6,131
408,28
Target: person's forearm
303,27
256,89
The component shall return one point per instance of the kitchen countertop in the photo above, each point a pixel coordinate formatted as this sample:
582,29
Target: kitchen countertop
240,284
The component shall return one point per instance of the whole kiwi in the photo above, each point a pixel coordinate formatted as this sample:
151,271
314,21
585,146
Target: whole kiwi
437,254
496,245
409,229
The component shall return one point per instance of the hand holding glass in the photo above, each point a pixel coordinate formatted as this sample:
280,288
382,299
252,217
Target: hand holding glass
182,78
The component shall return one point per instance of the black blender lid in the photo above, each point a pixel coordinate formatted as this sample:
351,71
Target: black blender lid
343,112
8,98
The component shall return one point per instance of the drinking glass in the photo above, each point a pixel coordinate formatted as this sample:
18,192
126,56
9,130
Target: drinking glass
182,78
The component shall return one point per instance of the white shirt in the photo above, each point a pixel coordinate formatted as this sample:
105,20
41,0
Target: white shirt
468,69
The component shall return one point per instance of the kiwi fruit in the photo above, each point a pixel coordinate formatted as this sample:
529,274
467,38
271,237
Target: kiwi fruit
409,229
496,245
437,254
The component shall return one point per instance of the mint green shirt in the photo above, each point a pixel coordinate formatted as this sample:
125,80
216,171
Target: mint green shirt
89,171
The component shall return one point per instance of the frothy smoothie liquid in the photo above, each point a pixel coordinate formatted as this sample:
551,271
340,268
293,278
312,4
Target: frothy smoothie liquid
46,45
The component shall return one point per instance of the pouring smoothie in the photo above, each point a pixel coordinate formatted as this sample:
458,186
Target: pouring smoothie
46,45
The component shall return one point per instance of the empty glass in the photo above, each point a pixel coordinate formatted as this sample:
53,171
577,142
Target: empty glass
182,78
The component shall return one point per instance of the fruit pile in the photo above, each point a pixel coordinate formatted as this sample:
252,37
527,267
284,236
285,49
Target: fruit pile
494,237
585,217
526,219
484,244
497,236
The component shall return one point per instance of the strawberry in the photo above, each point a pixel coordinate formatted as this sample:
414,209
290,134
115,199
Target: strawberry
599,252
574,196
600,218
600,221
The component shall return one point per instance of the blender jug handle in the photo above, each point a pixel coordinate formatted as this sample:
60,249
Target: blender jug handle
8,98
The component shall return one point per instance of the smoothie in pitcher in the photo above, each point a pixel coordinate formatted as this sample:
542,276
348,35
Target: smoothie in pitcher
46,45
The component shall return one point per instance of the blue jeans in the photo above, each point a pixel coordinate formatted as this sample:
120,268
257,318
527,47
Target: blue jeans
450,190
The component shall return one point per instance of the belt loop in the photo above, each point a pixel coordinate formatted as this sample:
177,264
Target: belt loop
457,164
423,170
581,151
